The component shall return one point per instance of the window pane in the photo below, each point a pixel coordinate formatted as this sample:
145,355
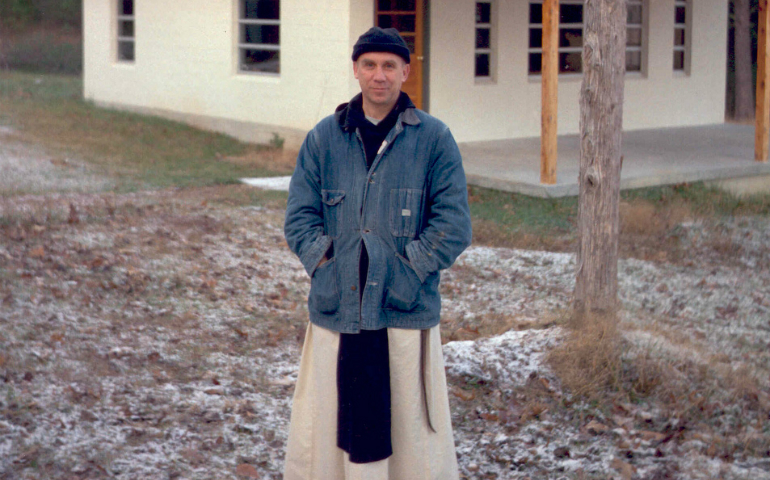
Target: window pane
678,60
402,23
482,64
264,34
571,13
405,5
535,62
483,12
261,9
635,14
679,36
260,61
384,5
482,38
634,37
633,61
409,39
126,50
126,28
680,14
126,7
570,62
535,37
570,37
535,13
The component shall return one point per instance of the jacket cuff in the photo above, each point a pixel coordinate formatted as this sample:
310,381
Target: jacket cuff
315,253
419,264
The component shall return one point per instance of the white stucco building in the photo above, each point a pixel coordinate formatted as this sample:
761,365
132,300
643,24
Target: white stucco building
255,68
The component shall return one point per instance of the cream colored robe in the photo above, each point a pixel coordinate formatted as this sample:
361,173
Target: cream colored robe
421,432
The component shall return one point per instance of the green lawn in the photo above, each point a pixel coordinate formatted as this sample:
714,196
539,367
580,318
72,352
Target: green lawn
142,151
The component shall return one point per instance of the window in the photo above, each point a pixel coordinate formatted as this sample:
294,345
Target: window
634,35
259,45
680,34
571,25
126,30
483,49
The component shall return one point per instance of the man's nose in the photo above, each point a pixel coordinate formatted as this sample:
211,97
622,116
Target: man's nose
379,75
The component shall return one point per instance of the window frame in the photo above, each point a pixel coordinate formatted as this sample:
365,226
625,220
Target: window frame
642,27
685,48
491,49
581,26
120,18
241,47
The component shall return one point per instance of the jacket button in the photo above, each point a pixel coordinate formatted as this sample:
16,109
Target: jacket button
366,230
371,180
353,288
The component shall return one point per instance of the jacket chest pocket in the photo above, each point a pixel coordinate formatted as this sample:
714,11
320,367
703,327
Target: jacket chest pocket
405,206
332,200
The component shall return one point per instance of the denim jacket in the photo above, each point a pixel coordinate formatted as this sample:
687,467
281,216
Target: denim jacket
410,209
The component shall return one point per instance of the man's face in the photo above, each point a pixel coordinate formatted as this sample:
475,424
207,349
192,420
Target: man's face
380,75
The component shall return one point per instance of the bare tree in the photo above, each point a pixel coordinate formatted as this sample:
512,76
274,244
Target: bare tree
601,123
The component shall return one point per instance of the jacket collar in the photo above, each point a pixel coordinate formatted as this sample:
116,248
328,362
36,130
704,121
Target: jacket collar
408,116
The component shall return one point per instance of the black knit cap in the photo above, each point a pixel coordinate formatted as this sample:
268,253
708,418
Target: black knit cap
381,40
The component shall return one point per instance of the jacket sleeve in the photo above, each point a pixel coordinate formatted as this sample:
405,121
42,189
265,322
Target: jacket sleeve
303,227
448,229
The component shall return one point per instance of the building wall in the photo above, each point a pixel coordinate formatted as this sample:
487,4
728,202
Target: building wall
509,105
186,68
186,65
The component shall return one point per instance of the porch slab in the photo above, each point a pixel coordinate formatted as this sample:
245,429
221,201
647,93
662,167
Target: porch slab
717,154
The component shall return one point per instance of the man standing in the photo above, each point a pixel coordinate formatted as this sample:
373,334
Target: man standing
377,207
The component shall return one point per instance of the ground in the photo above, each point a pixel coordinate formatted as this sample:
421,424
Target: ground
156,334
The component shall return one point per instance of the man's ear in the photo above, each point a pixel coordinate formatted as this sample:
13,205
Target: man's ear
355,70
407,69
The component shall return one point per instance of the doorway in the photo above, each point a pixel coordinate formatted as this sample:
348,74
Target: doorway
408,17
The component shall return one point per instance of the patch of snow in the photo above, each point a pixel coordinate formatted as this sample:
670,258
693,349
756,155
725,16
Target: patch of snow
269,183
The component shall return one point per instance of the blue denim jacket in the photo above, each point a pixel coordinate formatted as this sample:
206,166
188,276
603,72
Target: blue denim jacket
410,209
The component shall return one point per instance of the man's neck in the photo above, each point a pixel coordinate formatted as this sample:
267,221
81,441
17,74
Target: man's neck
378,112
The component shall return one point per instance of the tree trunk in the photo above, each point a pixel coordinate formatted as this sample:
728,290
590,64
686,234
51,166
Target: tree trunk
744,86
601,124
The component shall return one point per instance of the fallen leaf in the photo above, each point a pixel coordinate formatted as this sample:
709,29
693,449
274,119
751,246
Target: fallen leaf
466,395
651,436
596,428
37,252
562,452
626,470
74,217
246,470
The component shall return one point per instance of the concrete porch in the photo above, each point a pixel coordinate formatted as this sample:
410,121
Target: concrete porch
720,154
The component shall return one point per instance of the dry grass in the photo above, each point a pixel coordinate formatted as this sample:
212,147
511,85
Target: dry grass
588,362
642,217
596,363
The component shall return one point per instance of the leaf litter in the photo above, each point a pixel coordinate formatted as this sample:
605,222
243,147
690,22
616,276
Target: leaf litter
158,336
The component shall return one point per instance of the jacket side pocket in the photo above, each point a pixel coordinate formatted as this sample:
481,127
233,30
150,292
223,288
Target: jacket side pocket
404,288
324,294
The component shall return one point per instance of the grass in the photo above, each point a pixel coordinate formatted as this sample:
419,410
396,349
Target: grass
141,151
513,220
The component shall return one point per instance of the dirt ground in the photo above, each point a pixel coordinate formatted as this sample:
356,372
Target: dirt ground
157,335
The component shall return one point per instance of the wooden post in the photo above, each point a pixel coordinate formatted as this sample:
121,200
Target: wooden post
601,128
762,119
550,91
